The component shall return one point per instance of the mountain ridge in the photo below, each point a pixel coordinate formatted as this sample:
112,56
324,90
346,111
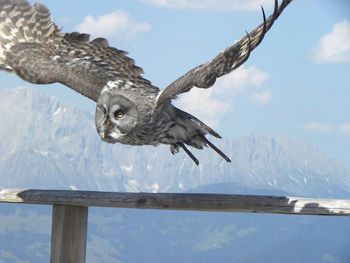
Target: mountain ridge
47,144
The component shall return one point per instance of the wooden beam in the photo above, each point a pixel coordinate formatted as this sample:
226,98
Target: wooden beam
181,201
68,236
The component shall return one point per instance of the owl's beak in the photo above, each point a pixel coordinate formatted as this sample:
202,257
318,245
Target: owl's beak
105,133
108,123
103,128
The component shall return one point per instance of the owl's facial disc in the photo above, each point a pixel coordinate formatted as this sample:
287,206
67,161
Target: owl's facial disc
115,117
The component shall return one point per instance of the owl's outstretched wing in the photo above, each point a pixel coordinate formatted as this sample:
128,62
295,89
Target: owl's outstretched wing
204,76
34,48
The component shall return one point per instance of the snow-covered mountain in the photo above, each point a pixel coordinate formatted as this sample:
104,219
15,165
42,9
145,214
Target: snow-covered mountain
46,144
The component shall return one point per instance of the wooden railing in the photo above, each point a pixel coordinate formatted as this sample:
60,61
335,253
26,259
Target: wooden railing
70,210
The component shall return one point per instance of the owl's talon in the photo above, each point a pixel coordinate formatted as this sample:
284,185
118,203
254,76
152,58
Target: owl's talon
174,148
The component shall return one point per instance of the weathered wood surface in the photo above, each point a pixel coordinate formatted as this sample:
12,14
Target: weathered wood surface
182,201
68,235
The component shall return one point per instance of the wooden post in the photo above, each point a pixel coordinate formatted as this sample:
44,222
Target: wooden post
68,237
70,210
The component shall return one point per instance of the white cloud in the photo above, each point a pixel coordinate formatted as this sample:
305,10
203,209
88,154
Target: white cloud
262,97
240,79
210,104
319,127
329,128
334,47
345,129
115,24
222,5
202,104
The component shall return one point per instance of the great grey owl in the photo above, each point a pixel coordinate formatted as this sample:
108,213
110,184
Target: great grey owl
130,110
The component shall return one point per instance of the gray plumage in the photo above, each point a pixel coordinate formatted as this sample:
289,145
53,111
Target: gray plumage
129,110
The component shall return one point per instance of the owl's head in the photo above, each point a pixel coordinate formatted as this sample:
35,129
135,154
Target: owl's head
116,116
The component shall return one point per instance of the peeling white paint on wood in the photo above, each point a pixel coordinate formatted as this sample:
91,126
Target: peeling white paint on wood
181,201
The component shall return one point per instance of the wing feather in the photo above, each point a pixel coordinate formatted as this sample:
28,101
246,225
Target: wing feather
204,76
94,63
33,47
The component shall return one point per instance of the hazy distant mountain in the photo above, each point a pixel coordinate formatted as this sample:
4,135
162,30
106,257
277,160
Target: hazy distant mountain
128,236
45,144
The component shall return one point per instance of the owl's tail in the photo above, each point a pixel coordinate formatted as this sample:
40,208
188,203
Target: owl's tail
194,132
20,23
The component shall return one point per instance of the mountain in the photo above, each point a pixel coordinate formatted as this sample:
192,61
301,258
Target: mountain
130,235
47,144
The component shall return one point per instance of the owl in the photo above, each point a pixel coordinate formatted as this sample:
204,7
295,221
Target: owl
129,109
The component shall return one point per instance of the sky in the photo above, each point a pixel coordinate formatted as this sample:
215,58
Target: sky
296,83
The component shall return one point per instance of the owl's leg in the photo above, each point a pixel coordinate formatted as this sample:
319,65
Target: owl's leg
189,153
216,149
174,148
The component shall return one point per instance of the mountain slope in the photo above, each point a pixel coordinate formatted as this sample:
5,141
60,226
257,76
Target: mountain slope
45,144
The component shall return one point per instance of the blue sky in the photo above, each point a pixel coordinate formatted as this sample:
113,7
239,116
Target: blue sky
295,83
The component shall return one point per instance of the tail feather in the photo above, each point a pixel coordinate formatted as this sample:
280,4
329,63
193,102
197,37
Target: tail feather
186,115
20,22
195,132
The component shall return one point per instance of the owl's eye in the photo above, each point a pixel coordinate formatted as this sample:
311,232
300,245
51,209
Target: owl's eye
103,109
118,114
